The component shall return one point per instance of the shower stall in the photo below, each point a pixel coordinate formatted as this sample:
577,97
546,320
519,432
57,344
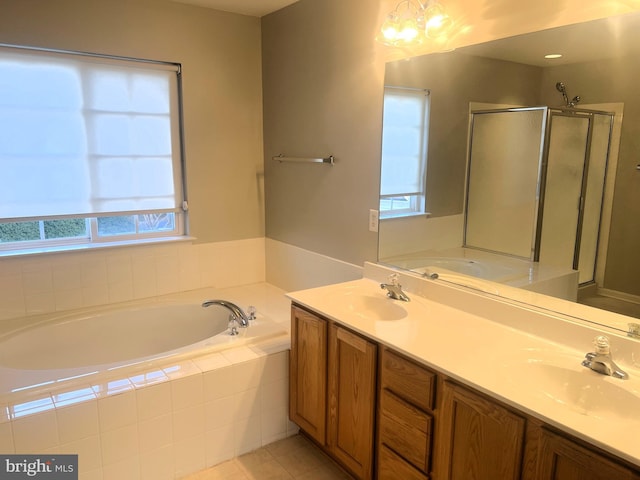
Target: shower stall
535,184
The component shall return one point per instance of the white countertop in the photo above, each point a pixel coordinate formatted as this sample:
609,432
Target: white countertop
492,356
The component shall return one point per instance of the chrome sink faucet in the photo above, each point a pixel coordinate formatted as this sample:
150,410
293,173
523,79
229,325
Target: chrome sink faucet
236,312
600,361
394,289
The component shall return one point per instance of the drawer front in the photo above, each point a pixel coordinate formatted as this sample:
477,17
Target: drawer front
405,429
407,379
392,467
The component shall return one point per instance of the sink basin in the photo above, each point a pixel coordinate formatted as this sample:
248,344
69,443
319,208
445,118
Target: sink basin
581,389
370,306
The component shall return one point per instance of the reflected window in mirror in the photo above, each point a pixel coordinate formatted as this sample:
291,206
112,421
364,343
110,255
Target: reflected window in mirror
404,151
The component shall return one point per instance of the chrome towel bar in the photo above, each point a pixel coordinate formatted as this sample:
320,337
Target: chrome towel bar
329,160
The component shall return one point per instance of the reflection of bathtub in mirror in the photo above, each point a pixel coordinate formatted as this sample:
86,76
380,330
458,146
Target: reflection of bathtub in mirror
449,264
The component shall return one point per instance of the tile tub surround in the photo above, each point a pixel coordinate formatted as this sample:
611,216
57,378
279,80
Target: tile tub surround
170,421
198,418
56,282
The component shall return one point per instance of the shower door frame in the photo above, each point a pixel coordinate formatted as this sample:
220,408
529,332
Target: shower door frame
542,176
535,226
589,115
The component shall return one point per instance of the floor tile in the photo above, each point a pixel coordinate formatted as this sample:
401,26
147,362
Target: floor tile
293,458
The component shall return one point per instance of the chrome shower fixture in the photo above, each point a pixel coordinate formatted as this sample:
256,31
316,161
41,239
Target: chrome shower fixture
563,90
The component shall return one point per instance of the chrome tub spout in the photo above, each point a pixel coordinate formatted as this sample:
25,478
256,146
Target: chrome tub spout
236,312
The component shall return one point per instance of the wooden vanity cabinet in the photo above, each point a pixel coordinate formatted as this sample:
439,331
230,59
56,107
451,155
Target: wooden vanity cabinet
308,373
478,438
352,399
455,433
405,418
332,389
563,459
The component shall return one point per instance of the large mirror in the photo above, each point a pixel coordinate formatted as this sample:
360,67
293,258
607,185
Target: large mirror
428,228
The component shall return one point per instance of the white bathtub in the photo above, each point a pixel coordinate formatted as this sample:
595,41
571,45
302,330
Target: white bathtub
150,390
93,347
501,269
126,335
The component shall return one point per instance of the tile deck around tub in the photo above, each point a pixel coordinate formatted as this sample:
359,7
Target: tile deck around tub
193,415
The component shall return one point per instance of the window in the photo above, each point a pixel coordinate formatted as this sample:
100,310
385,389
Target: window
404,151
90,149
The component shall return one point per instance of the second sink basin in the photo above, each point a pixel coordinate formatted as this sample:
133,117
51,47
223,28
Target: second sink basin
579,388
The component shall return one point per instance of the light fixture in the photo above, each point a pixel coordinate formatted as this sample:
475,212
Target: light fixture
437,21
412,22
553,55
404,25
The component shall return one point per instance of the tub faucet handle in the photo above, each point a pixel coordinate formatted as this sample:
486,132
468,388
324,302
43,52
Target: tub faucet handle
232,325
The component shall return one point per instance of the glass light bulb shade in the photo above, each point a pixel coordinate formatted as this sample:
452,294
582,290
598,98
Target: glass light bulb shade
408,30
437,21
404,26
390,28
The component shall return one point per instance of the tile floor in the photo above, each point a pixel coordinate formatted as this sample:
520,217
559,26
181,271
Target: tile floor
292,458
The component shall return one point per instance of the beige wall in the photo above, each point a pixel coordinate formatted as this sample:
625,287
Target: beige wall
220,54
323,78
321,84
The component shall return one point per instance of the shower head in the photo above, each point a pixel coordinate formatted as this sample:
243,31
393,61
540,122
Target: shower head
561,87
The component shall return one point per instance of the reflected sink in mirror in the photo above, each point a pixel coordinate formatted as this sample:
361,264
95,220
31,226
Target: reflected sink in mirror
579,388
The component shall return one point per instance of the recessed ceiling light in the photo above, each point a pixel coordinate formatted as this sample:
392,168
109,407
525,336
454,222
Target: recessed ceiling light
553,55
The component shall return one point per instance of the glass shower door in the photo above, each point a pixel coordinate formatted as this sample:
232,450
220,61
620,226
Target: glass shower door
594,194
575,176
502,180
568,143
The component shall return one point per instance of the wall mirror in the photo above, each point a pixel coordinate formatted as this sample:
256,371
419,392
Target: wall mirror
516,144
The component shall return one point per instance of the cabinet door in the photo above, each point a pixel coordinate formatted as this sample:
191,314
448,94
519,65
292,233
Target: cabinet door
562,459
308,373
478,439
352,361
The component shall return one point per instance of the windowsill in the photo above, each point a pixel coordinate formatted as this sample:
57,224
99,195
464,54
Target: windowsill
405,215
23,252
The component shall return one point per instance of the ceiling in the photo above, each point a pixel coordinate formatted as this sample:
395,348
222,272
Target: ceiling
254,8
588,41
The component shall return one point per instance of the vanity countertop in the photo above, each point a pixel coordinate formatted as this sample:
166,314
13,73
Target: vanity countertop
495,357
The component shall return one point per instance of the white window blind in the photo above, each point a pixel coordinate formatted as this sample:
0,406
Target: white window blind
84,135
404,141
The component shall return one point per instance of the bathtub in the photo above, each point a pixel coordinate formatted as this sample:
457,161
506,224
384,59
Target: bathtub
80,348
466,266
147,390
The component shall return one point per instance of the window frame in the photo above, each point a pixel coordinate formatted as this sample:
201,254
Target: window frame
417,200
93,239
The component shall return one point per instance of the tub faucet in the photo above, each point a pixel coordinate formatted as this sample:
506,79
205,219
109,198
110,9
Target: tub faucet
600,361
394,289
236,312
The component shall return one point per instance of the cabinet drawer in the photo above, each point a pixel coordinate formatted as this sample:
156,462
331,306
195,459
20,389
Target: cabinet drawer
405,429
407,379
392,467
